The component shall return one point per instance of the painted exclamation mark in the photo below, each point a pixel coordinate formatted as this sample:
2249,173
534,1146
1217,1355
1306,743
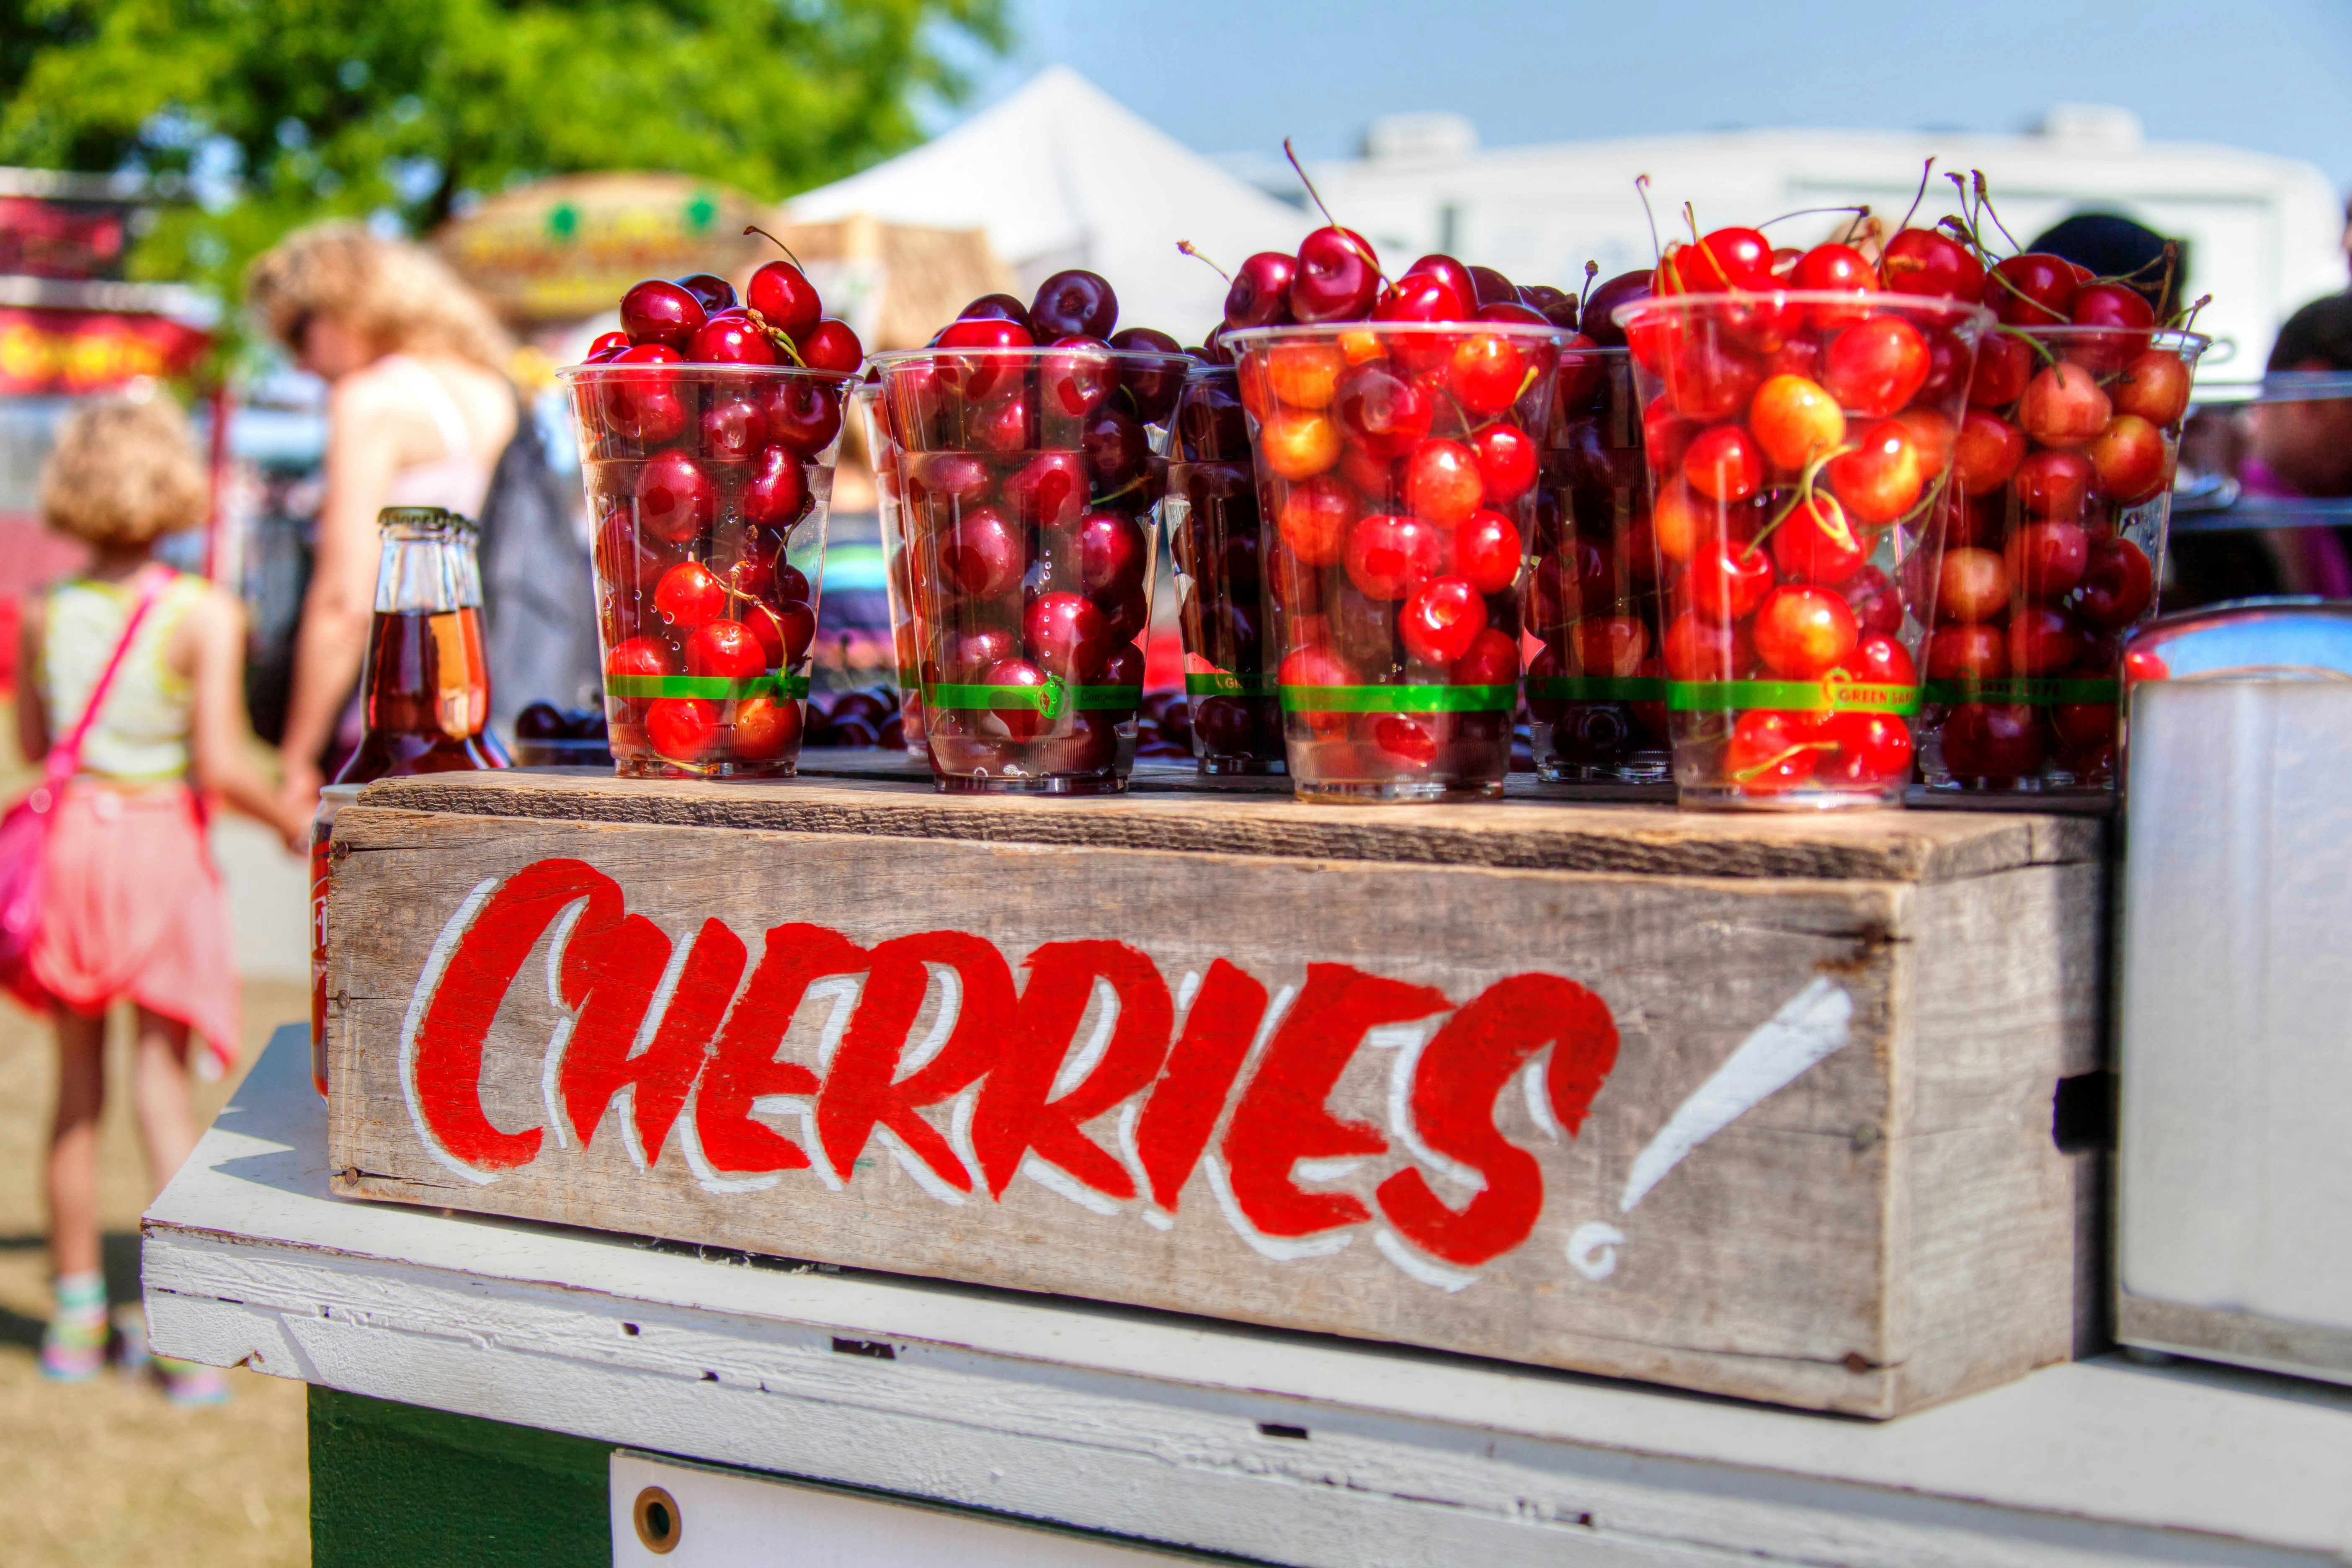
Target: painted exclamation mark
1809,1025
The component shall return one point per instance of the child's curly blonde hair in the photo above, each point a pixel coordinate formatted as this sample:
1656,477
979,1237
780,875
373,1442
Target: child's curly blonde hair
397,296
123,471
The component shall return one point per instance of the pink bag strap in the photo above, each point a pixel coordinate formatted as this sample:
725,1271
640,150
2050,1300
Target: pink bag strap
64,759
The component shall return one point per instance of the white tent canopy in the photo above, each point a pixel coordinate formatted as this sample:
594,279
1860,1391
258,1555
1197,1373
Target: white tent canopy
1060,175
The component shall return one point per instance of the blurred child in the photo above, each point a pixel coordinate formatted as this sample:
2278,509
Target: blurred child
132,907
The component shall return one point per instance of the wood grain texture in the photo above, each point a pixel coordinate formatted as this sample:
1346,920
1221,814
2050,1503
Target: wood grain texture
1890,845
1843,1245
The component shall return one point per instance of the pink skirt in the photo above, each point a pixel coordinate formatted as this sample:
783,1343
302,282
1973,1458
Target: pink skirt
133,908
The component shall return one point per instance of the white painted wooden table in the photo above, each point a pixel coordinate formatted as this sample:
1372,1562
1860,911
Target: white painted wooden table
1269,1446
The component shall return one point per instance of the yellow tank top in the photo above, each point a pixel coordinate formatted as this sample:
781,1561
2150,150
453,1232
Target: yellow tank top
142,734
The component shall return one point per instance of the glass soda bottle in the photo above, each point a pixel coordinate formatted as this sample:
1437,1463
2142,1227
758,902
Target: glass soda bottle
424,691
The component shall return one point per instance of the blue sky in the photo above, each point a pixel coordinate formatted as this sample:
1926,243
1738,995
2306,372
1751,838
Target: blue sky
1237,75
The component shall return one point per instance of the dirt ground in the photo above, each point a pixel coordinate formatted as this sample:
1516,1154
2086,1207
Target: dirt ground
107,1474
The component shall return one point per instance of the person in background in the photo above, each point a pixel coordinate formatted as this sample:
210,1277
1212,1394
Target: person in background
132,906
2305,449
419,410
2114,247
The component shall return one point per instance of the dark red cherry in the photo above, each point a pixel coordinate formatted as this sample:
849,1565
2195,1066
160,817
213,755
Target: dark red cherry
1075,380
1123,665
803,415
715,293
1064,634
730,340
1491,288
977,376
953,476
1049,490
1111,554
1118,451
2034,289
676,499
1511,310
658,311
1602,305
733,427
1127,614
1922,261
997,307
1260,296
777,494
981,553
1152,387
1382,411
1020,723
605,344
785,299
1338,276
973,654
1076,303
1426,297
831,346
1004,424
1556,305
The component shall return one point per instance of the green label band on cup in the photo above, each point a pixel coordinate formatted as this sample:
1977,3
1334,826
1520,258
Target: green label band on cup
1791,696
1400,698
1599,689
909,678
711,688
2021,690
1053,699
1217,683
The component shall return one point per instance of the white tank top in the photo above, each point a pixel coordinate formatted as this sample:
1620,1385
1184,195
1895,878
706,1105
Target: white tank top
458,480
141,733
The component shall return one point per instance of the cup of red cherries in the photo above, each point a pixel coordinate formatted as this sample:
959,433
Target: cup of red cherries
1397,428
1801,415
1215,533
1031,442
708,429
899,594
2054,528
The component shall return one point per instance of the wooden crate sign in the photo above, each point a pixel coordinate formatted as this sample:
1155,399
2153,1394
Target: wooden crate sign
1781,1137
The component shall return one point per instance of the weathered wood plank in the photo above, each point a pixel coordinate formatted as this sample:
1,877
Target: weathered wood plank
1890,845
1787,1254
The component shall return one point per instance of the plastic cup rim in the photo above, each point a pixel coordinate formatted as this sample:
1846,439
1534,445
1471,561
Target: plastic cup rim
2187,344
891,359
1311,332
698,370
1626,314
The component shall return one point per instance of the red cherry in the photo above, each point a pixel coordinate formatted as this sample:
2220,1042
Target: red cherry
2053,484
1385,413
1922,261
1423,297
730,340
2083,726
2154,386
1486,373
1074,381
2064,406
658,311
1487,552
765,728
641,656
753,576
1724,463
785,630
1003,424
1995,741
1839,270
2045,560
2131,459
2127,315
1874,751
1882,660
1771,753
1802,633
1387,556
1154,381
804,415
1493,660
785,299
1019,723
1971,585
1049,490
2117,584
2042,640
1442,618
1112,555
2004,365
1074,303
676,499
831,346
2031,290
605,345
688,596
1697,649
644,407
1728,258
982,554
1064,634
1986,452
1877,366
1260,295
733,427
1413,741
1882,478
1315,519
1338,276
1707,380
979,374
1815,543
1725,582
777,494
1506,463
1967,653
725,649
1610,645
681,728
1876,607
1442,483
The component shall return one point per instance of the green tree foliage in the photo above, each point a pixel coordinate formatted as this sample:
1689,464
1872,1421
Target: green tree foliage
275,112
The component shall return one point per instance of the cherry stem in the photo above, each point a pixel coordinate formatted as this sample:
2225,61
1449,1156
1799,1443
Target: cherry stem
1591,273
1805,480
1657,251
780,245
777,335
1859,212
1925,174
1186,247
1290,153
1984,195
2190,325
2049,355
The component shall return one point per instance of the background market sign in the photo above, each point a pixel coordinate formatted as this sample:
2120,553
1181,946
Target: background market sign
45,352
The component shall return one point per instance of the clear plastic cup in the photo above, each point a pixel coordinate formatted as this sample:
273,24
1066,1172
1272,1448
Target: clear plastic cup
1397,466
1213,535
709,487
1800,446
898,593
1597,688
1031,482
2054,546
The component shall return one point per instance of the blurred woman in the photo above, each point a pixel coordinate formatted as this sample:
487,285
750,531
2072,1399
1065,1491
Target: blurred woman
419,411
